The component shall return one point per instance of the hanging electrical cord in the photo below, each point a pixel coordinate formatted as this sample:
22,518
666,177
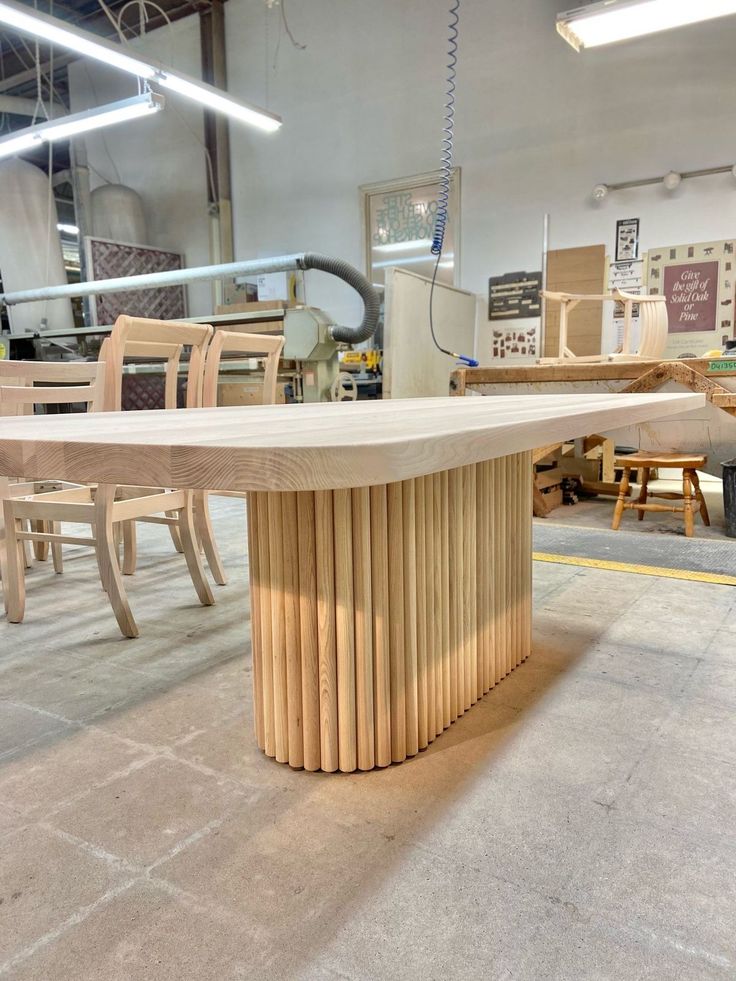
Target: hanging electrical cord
440,223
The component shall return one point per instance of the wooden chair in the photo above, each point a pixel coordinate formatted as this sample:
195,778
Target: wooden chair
692,496
250,345
56,383
109,505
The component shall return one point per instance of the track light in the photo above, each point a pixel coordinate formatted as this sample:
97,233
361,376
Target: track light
58,32
609,21
672,180
600,192
81,122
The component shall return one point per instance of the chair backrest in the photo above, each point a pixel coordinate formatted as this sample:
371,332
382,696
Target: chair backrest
253,345
653,322
653,327
159,340
24,384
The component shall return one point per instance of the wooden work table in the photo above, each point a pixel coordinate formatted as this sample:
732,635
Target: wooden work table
389,545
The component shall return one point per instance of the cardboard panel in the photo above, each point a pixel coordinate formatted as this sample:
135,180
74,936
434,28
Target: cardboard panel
581,270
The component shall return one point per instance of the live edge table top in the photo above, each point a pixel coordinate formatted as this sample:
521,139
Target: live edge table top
310,447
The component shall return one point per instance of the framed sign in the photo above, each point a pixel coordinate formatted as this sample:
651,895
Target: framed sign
627,239
698,282
398,223
514,296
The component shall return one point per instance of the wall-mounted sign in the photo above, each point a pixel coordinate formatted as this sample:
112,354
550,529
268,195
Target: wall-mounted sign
627,239
514,296
626,276
692,296
698,282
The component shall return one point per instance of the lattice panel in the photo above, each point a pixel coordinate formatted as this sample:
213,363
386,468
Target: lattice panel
109,260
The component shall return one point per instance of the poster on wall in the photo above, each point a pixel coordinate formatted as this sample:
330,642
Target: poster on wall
627,239
517,344
628,277
514,296
698,282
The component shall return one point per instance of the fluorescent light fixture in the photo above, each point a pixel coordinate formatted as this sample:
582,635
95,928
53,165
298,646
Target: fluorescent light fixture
81,122
610,21
67,229
58,32
417,243
212,98
65,35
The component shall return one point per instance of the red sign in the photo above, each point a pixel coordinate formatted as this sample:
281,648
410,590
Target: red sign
692,296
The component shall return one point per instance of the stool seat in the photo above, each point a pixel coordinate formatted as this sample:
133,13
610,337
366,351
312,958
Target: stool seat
643,458
692,498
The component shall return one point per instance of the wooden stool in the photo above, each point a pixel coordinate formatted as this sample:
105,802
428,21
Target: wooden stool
692,496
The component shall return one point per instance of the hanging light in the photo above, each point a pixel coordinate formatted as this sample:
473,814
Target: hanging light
609,21
81,122
67,36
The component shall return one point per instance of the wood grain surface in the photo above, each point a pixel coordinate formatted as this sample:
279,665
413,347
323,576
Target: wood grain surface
310,447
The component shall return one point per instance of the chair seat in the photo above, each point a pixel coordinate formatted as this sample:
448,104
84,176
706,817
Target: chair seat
652,459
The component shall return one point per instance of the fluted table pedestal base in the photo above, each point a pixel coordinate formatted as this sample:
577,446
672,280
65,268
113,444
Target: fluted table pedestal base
381,614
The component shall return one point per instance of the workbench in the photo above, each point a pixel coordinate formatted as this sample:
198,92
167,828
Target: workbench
389,545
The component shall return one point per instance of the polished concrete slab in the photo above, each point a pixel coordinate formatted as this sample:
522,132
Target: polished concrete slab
577,823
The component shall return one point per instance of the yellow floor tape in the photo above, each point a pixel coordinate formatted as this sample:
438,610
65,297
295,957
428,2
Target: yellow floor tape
641,570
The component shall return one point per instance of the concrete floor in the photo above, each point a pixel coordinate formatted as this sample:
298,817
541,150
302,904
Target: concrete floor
576,824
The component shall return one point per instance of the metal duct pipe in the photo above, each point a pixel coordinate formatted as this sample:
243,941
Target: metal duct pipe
252,267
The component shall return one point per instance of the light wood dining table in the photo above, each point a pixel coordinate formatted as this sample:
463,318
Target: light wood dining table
390,545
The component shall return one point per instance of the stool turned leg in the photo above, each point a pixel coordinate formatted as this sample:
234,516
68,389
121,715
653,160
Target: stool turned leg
701,499
623,490
688,503
643,492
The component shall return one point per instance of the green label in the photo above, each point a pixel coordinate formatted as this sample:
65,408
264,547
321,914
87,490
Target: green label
722,365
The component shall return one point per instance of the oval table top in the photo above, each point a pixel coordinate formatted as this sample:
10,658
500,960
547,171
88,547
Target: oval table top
313,446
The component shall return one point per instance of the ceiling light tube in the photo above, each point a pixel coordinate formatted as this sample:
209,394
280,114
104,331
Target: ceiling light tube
59,32
610,21
81,122
212,98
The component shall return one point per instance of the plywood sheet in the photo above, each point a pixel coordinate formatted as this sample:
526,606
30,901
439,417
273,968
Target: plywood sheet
581,270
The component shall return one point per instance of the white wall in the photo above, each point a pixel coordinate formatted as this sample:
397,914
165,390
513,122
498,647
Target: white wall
537,126
160,157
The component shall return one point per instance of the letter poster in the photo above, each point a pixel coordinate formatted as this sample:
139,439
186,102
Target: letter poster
698,282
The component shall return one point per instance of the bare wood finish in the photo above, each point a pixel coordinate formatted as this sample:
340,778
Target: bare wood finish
693,501
368,560
578,270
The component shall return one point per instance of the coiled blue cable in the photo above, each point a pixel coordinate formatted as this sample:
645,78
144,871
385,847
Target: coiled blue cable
440,223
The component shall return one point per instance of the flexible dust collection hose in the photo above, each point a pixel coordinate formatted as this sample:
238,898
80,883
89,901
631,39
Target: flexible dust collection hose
350,275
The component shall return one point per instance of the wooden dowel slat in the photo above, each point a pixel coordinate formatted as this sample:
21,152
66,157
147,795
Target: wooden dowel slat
308,629
278,637
324,538
421,612
396,621
381,618
292,628
408,500
254,582
363,604
345,630
457,640
448,631
264,592
429,606
470,585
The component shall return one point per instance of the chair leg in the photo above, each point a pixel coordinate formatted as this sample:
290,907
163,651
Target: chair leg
623,490
25,546
688,503
130,548
107,559
206,535
14,571
56,555
643,493
191,553
40,549
174,532
701,499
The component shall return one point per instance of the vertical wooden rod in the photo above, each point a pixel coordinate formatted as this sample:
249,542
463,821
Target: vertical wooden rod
361,518
264,593
278,627
308,629
381,619
324,538
410,616
254,582
396,622
292,627
345,630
